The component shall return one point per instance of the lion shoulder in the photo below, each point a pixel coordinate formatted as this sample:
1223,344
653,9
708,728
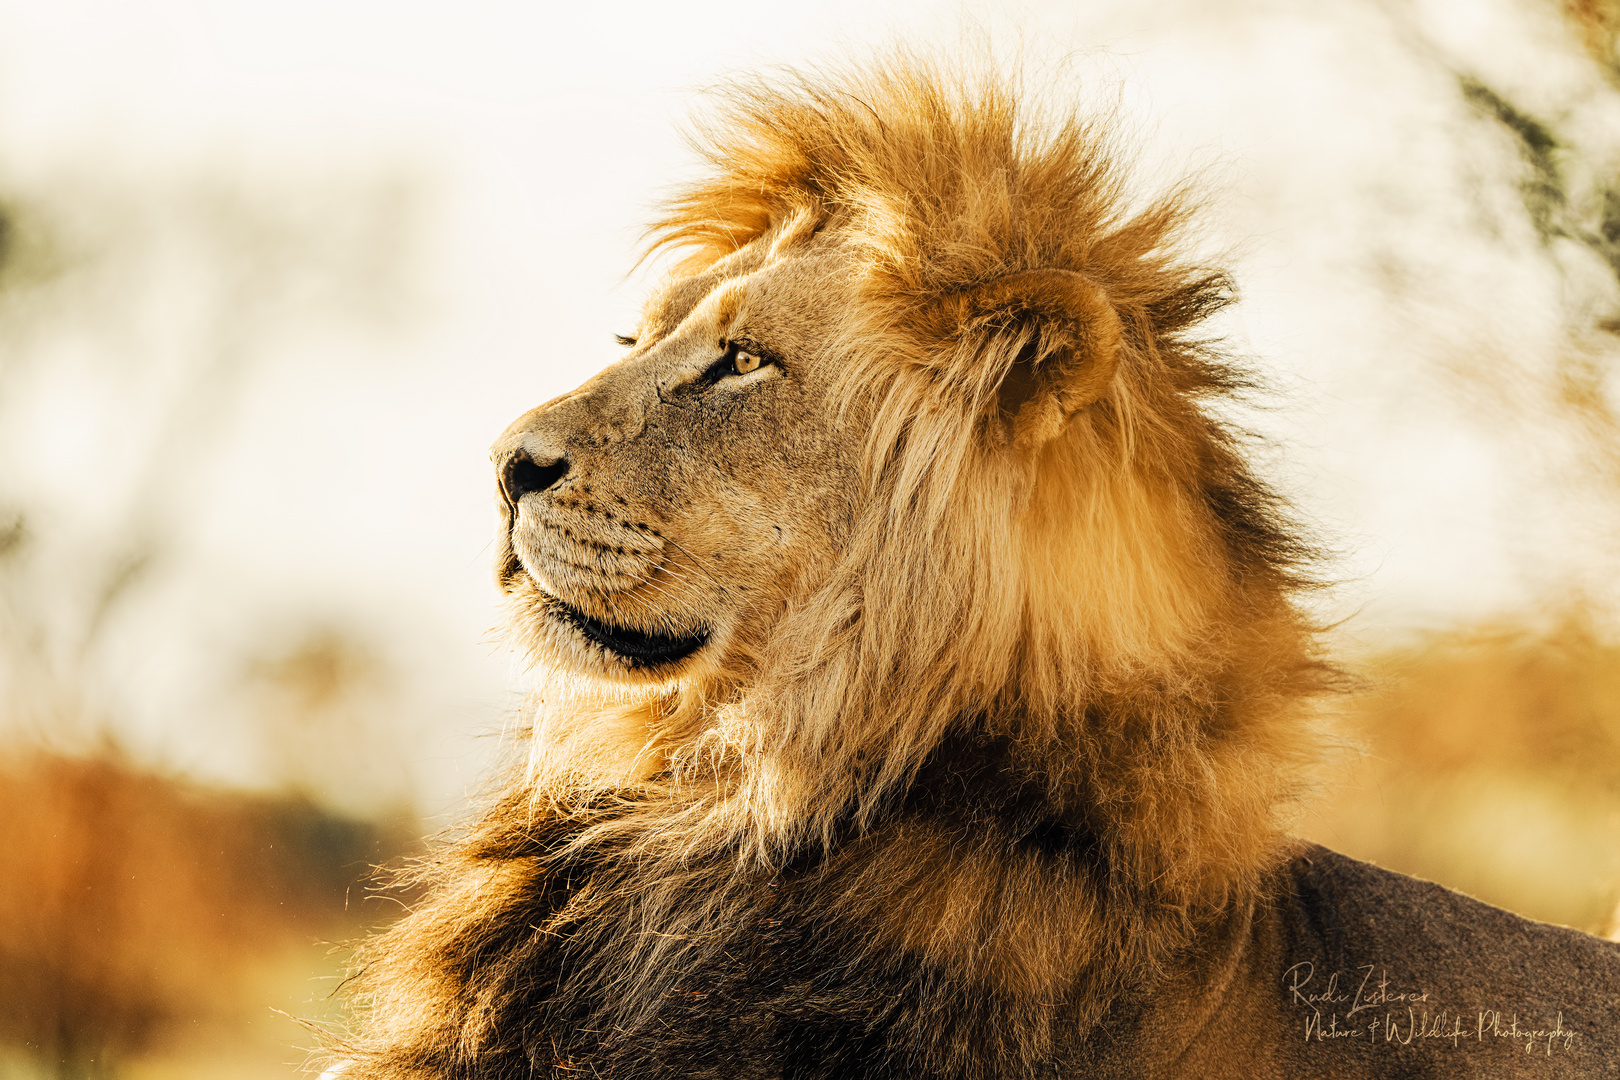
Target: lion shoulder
1362,971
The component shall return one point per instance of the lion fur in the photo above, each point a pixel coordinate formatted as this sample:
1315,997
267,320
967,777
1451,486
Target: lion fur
1037,726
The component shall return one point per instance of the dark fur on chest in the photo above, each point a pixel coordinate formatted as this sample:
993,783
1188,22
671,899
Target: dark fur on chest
589,966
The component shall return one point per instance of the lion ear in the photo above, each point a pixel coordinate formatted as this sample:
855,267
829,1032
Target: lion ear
1068,336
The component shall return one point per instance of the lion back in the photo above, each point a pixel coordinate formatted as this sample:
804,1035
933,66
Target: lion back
1354,971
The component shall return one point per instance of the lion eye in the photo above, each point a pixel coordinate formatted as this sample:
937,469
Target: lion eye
734,360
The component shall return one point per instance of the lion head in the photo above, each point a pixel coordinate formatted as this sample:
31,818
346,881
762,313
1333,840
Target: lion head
659,520
915,436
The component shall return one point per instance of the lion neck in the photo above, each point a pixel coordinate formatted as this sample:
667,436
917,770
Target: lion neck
1074,767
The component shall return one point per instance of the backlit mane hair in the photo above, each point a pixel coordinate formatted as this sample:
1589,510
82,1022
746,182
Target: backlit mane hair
1112,607
1119,607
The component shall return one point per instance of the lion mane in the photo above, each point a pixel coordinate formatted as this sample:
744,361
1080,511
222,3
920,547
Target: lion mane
1032,730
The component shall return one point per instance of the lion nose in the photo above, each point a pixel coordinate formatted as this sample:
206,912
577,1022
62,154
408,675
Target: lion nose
521,474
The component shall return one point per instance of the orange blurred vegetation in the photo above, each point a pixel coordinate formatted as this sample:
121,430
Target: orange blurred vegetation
1492,765
139,913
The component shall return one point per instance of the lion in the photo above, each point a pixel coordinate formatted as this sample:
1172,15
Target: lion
932,680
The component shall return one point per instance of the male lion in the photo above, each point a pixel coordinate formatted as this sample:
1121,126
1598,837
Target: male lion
932,674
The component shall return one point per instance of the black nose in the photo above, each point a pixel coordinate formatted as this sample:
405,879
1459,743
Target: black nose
522,474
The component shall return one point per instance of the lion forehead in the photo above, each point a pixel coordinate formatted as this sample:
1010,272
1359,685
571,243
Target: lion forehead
798,287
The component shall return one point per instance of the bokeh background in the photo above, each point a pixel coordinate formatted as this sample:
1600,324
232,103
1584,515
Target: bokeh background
273,276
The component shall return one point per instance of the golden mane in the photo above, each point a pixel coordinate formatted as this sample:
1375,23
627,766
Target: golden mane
1114,610
1129,594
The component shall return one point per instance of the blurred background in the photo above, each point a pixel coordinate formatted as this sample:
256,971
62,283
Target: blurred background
273,277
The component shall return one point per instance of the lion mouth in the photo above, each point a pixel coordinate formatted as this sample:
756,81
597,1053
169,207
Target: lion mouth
639,647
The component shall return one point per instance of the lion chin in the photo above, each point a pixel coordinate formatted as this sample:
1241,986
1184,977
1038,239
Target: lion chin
937,674
593,596
627,646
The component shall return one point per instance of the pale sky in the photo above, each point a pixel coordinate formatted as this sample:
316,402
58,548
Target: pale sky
1404,312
